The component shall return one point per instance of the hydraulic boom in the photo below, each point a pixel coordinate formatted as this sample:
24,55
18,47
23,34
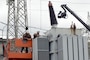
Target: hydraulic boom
63,15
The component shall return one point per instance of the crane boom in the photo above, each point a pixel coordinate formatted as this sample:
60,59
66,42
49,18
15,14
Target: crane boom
64,6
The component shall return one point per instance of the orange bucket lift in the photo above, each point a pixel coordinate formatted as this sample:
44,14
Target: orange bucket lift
13,52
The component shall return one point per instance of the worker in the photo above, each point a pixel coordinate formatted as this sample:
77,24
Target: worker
36,35
25,39
71,27
26,36
74,29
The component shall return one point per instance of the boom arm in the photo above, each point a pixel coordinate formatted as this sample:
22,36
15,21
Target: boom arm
79,19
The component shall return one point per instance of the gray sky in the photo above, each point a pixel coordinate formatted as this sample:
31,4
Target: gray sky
38,14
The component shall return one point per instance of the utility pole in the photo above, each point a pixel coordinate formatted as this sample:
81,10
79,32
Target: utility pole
17,18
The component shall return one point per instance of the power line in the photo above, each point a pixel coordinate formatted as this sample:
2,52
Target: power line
38,28
60,2
68,2
3,23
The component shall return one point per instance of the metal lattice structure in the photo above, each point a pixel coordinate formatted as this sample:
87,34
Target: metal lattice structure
17,18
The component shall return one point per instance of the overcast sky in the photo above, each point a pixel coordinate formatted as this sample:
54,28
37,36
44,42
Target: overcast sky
38,14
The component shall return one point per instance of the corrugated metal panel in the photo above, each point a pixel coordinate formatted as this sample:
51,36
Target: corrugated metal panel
65,42
35,53
41,48
85,48
75,46
43,55
42,44
62,48
70,47
80,45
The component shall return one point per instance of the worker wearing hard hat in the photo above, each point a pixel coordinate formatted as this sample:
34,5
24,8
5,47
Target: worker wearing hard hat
26,36
36,35
73,28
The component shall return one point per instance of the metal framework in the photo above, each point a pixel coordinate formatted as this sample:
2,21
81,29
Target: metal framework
17,18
